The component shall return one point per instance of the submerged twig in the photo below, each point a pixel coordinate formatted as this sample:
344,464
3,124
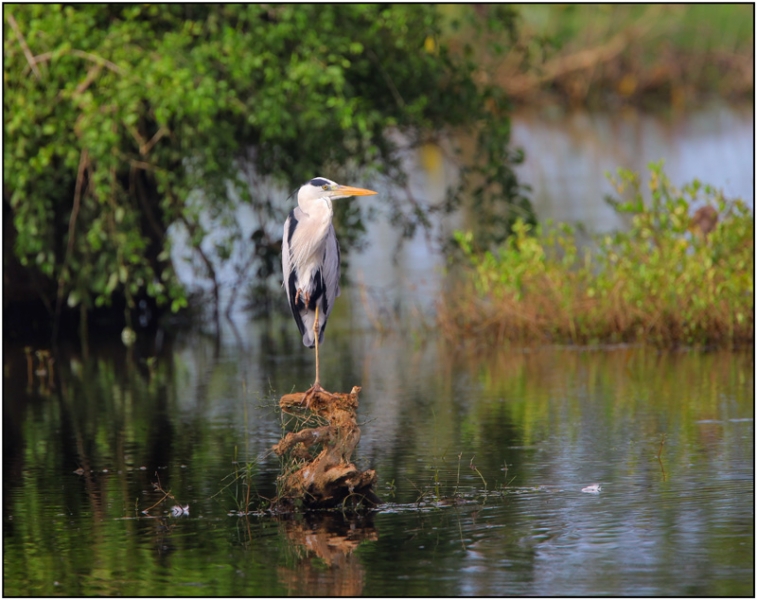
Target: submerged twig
475,468
659,456
176,510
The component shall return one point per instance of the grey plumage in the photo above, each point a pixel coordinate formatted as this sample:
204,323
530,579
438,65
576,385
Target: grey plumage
311,257
322,284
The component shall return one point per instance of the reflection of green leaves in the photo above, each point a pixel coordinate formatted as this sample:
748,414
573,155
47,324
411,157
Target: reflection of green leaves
619,388
77,524
555,416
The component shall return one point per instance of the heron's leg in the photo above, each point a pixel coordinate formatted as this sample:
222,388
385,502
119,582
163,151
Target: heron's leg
316,329
316,387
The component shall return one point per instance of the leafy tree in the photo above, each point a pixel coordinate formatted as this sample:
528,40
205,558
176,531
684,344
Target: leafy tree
123,120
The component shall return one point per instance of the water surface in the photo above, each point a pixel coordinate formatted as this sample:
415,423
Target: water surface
568,155
481,463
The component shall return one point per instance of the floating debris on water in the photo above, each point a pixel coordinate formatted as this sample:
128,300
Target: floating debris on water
594,488
180,511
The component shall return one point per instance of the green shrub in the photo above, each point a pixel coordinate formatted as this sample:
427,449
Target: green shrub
660,281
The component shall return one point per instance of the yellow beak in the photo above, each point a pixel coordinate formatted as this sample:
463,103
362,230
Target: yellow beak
346,190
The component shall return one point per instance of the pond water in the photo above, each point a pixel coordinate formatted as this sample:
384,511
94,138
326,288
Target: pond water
482,465
569,155
532,471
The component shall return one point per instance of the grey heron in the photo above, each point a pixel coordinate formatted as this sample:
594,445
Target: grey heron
310,260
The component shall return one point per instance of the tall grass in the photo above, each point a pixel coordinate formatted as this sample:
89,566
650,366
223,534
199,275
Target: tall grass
661,282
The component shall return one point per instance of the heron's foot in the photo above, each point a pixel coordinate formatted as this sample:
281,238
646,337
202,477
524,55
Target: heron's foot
309,396
305,295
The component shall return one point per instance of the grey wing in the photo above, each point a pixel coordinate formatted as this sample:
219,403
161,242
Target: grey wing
331,270
286,254
291,281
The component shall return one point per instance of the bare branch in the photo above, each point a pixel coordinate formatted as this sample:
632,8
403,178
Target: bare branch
145,148
27,53
91,75
99,60
83,164
138,164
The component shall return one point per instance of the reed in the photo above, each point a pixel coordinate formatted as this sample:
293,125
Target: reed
663,281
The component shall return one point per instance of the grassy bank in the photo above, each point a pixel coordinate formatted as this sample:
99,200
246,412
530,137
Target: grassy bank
641,54
663,281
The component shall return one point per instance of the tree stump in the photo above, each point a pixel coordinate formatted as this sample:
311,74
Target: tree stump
329,479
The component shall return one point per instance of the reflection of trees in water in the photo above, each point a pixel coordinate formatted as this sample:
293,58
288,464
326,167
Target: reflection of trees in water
329,538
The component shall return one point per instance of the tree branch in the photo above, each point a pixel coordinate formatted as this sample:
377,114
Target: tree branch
83,163
99,60
27,53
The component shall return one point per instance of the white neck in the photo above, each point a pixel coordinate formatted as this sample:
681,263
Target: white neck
311,232
317,208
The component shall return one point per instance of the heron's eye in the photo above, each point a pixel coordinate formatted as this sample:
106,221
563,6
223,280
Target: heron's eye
325,186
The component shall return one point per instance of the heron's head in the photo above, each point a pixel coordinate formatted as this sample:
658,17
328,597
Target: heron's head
322,188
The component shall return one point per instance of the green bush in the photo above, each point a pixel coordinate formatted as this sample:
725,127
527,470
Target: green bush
660,281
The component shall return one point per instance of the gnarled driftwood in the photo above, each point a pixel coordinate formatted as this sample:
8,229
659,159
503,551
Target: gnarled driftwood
328,479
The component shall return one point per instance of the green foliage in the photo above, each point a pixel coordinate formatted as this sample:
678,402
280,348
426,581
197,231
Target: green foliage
660,281
123,120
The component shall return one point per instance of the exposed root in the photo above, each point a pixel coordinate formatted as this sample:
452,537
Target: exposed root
329,479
